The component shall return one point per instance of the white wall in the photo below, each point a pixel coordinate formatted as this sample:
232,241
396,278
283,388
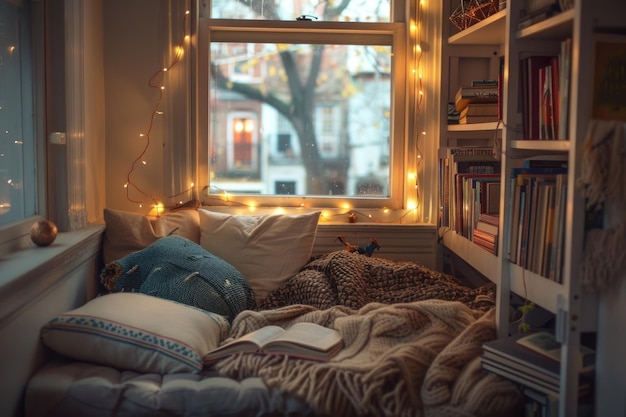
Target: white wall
131,57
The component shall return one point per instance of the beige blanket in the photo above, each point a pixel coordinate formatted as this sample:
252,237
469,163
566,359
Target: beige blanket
419,358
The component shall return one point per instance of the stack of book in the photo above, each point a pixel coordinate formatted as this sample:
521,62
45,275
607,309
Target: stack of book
485,233
533,360
472,102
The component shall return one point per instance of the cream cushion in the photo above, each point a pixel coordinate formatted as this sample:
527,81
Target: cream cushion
267,250
129,232
134,331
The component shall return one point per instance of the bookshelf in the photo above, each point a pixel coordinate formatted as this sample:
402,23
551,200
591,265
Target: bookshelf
498,38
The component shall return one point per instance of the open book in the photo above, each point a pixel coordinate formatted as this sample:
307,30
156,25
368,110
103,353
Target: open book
303,340
546,344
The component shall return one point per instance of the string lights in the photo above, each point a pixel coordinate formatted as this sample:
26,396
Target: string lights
418,97
134,193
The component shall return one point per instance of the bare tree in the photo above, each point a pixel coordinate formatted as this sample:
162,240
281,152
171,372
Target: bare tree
299,107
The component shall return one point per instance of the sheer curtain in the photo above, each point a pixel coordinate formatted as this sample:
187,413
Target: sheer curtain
179,157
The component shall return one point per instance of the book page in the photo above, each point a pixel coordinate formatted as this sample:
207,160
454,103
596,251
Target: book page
250,342
543,343
309,335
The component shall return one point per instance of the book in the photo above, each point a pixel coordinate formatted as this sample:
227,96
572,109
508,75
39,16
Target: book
545,343
540,404
480,109
564,82
520,377
528,366
491,218
531,99
477,83
463,120
536,16
479,94
302,340
487,227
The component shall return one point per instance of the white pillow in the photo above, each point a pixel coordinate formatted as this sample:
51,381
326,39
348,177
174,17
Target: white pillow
134,331
267,250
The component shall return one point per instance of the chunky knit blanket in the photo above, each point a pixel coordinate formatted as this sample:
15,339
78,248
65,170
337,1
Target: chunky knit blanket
410,349
353,280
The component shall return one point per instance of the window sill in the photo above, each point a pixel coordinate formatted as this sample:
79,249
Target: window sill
26,272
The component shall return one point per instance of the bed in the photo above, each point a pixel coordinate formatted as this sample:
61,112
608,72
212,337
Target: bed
412,336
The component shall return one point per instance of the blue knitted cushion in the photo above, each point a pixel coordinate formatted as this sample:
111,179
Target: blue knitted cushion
178,269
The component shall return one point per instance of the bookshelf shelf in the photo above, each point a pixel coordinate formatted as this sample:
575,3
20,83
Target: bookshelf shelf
541,145
481,260
475,127
485,32
535,287
555,27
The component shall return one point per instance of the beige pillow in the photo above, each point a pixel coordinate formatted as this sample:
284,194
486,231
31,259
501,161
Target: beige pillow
125,233
267,250
129,232
136,332
184,223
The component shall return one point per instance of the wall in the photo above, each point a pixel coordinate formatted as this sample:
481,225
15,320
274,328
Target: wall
611,366
64,277
131,57
94,91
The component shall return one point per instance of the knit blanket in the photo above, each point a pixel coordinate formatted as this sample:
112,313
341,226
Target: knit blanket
408,359
412,341
353,280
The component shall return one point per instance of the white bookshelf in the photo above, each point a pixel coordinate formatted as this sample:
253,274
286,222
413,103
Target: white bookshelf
575,310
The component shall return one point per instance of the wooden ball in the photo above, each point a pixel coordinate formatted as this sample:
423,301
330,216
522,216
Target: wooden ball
43,232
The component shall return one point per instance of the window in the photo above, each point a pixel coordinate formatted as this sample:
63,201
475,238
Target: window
18,130
322,88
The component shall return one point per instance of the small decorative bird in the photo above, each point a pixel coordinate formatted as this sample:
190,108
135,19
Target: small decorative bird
363,250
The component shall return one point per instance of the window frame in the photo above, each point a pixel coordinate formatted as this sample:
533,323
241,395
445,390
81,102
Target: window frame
16,234
393,33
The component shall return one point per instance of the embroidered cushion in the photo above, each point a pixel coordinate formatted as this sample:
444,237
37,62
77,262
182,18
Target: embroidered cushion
136,332
178,269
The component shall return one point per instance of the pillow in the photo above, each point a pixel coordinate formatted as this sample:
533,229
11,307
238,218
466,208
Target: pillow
185,223
267,250
127,232
180,270
136,332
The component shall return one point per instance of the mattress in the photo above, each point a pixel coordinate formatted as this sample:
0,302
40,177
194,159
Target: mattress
82,389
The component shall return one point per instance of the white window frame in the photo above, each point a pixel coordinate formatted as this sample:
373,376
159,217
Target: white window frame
394,33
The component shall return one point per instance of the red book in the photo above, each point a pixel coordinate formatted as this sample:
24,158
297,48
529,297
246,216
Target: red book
532,66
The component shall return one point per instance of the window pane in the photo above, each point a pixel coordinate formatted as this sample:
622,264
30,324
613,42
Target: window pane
343,11
17,139
295,119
